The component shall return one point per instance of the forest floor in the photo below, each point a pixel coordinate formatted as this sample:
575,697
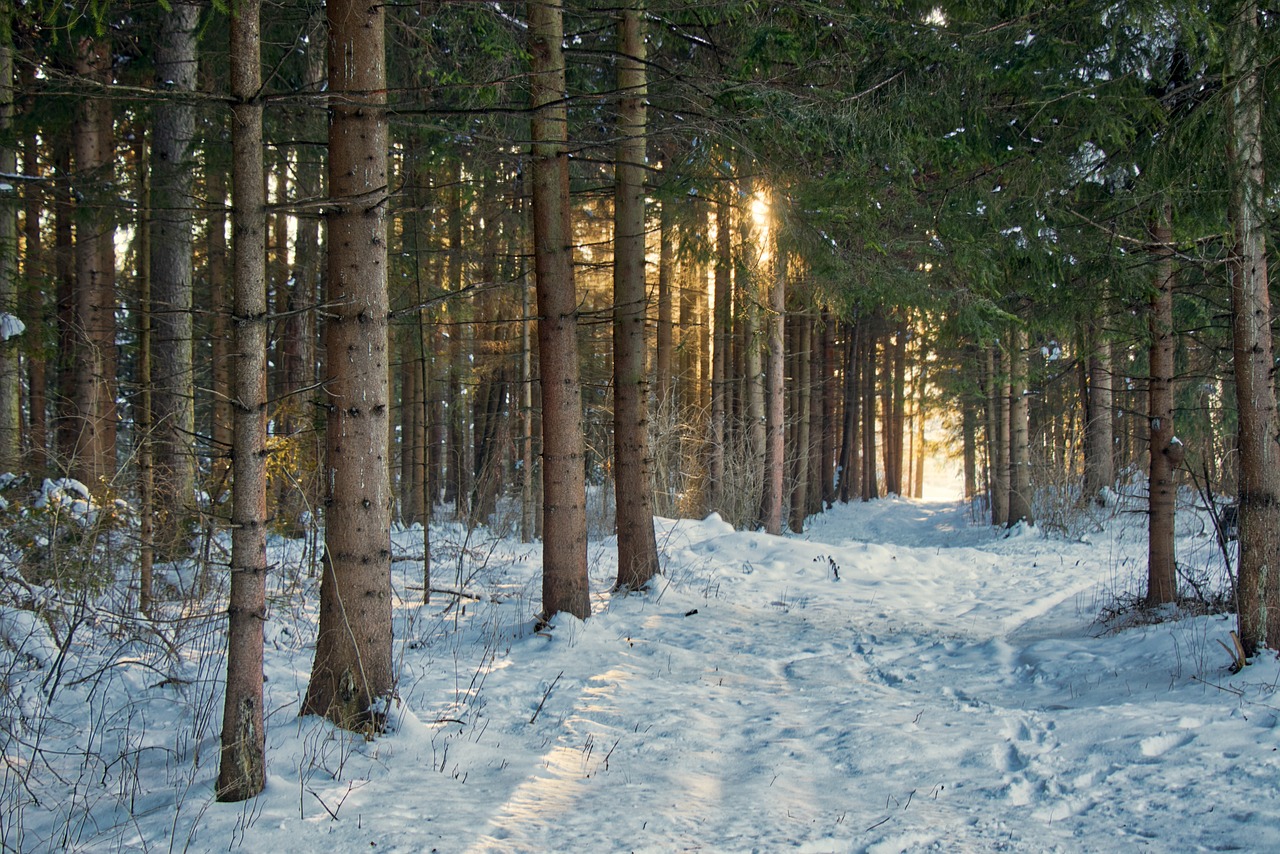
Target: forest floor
897,678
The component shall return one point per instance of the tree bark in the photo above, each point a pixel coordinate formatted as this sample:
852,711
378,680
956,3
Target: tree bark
35,272
10,360
998,433
458,458
870,487
637,543
851,447
800,464
564,540
353,678
1100,467
216,271
242,769
66,425
720,361
898,482
93,456
813,450
1166,450
1019,438
827,452
969,423
775,451
663,356
1259,510
172,379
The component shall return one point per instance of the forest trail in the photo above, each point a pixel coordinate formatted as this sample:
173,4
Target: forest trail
785,686
894,679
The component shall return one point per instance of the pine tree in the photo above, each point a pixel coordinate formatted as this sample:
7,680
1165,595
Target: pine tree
353,677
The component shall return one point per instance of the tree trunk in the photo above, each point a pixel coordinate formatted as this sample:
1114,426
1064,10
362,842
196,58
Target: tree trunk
663,357
1259,488
899,484
216,271
35,273
1166,450
66,426
998,433
827,453
775,450
410,422
564,540
637,544
242,769
458,457
870,487
813,450
93,458
969,425
528,475
145,402
720,362
353,678
800,464
1019,438
173,386
10,360
1100,466
851,447
918,440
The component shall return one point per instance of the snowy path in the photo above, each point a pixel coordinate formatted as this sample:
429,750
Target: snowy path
945,692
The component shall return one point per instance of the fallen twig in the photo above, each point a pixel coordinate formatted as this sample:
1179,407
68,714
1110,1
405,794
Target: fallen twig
545,695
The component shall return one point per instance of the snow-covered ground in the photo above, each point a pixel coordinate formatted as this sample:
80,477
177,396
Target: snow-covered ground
896,679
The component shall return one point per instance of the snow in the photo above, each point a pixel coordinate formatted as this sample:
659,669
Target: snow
897,678
10,326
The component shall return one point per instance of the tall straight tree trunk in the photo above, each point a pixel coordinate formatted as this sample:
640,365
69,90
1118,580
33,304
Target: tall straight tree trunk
969,425
870,487
487,345
750,365
800,464
64,263
900,484
1100,466
1019,438
242,767
35,271
918,441
458,460
10,361
410,423
720,360
691,328
775,450
851,448
216,270
1259,488
998,430
827,454
663,356
813,495
1166,450
637,544
528,516
564,526
93,457
888,444
144,403
353,678
173,386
